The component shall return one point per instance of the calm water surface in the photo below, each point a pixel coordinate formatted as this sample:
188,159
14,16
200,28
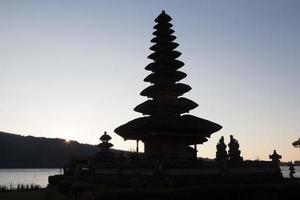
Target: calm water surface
285,171
13,177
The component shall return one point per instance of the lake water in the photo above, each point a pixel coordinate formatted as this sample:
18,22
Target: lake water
13,177
285,171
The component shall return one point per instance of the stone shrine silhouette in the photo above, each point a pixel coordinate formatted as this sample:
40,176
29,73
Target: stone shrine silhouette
234,152
221,154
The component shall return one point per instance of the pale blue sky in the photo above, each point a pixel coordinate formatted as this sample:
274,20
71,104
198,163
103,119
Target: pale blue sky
72,69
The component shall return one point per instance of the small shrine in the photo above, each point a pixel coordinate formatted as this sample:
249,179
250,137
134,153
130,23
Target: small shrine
105,145
105,155
166,130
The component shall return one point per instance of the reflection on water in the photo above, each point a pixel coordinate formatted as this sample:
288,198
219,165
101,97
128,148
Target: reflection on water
13,177
39,177
285,171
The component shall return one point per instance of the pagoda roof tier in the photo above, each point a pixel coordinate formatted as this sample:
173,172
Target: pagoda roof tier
105,145
189,128
164,55
105,137
166,105
164,46
166,38
163,66
162,26
163,32
163,17
158,77
177,89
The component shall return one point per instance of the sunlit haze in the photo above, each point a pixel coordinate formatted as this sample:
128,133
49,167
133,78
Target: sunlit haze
74,69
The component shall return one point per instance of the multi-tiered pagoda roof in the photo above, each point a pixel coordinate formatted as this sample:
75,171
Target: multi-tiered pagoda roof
165,108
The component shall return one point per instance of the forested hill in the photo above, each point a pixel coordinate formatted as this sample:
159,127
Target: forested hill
18,151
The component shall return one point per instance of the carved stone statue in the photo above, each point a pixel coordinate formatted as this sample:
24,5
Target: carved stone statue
234,152
221,154
292,170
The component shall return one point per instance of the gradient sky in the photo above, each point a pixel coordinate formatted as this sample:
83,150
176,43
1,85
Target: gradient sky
73,69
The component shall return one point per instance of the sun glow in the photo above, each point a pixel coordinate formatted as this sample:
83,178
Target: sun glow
66,141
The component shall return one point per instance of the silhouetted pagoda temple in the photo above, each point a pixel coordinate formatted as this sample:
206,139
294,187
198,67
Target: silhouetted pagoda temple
168,132
165,130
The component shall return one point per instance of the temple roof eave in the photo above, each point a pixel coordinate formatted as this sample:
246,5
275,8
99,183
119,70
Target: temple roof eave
170,46
178,89
296,143
177,105
187,127
105,137
173,76
171,65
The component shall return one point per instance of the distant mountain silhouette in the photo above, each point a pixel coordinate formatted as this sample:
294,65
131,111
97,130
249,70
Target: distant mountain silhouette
18,151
